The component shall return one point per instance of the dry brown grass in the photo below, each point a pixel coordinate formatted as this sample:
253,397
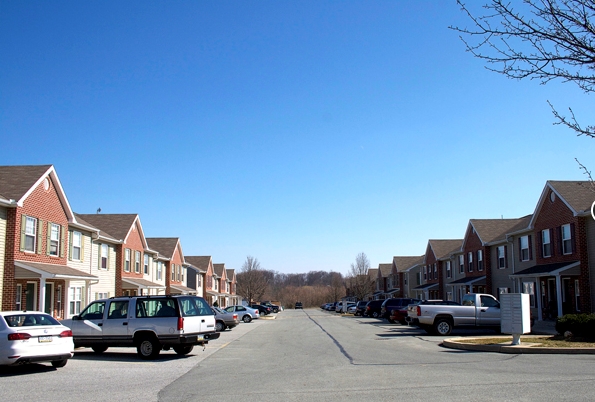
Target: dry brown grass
543,342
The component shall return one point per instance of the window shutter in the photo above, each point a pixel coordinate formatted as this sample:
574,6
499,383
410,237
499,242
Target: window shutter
39,235
539,244
96,295
530,248
572,237
505,256
83,304
23,230
70,245
559,239
49,238
62,241
520,250
99,251
82,247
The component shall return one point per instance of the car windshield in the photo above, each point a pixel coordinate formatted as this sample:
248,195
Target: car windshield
29,320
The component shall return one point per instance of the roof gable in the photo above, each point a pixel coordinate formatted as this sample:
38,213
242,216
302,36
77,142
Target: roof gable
219,270
442,248
405,262
493,230
576,195
166,246
384,270
202,263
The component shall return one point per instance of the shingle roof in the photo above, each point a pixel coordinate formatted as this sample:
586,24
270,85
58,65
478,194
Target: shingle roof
444,247
219,268
82,221
404,262
200,262
116,225
490,230
16,181
372,273
578,194
385,269
166,246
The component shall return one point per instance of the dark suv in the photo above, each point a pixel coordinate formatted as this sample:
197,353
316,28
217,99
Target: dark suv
394,304
373,308
360,307
298,305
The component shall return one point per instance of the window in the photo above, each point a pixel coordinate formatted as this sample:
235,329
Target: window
173,272
524,247
75,296
501,257
18,297
30,234
529,288
418,276
137,262
502,290
435,271
470,261
101,295
76,246
425,272
159,270
103,256
448,272
146,265
461,264
448,295
127,260
54,239
566,240
181,273
546,243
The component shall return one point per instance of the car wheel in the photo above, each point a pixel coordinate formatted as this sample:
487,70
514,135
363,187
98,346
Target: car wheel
59,363
443,326
148,348
99,349
375,314
219,326
246,318
183,350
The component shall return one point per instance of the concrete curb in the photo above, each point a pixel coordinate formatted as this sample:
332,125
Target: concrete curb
523,348
268,317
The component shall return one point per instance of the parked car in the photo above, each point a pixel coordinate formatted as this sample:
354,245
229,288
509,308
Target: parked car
477,310
224,320
151,323
401,315
394,303
263,310
360,308
298,305
33,336
332,306
373,308
351,308
275,308
339,308
245,313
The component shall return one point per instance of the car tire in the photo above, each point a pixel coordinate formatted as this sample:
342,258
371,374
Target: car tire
375,314
59,363
183,350
246,318
148,348
219,326
99,349
443,327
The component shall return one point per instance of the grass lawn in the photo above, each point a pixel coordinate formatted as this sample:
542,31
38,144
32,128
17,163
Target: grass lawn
544,342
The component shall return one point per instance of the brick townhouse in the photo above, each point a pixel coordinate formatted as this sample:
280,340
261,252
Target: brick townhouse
436,262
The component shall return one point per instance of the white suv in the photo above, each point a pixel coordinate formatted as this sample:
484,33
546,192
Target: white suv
150,323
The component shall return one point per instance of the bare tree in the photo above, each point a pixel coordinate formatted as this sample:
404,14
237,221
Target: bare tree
359,282
252,280
547,40
337,286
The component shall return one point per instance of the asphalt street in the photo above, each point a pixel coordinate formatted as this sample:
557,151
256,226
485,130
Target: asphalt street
306,355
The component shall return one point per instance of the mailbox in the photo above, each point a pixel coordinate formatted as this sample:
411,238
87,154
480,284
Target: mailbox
515,315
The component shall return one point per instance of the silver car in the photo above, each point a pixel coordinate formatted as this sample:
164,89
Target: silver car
224,320
245,313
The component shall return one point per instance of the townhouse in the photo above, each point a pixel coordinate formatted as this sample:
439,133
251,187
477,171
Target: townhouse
197,267
399,271
55,260
436,265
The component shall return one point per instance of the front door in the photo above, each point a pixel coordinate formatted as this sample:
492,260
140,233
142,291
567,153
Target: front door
552,298
49,299
31,297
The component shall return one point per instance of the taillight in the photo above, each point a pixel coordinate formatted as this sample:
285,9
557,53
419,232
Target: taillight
180,323
66,334
418,311
20,336
235,316
368,308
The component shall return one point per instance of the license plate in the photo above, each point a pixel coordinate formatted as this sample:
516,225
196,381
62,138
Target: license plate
200,338
45,339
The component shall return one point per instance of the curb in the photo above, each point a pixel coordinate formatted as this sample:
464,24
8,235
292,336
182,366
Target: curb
268,317
526,348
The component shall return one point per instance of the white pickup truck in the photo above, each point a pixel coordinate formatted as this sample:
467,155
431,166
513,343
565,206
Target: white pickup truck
476,310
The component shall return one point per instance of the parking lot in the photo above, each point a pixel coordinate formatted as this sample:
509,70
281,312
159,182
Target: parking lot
309,354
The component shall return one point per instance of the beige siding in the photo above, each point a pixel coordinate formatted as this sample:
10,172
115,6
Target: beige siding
2,247
107,277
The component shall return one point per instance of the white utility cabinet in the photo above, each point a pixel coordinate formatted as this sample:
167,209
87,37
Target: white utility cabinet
515,315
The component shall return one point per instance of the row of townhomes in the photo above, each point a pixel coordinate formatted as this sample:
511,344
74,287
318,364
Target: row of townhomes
55,260
549,254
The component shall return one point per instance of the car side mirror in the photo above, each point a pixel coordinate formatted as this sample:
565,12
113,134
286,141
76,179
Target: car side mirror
75,318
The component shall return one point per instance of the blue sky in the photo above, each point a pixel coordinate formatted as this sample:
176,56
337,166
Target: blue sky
301,133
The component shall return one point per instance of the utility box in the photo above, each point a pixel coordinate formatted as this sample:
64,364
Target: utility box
515,315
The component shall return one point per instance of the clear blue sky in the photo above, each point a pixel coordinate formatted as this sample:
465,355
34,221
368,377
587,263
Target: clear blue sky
300,133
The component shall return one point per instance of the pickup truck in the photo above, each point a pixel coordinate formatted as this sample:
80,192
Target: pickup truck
476,310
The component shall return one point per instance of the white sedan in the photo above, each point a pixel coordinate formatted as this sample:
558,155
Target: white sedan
33,336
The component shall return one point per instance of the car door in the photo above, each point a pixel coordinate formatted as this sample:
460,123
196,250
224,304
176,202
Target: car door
115,323
489,311
88,324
